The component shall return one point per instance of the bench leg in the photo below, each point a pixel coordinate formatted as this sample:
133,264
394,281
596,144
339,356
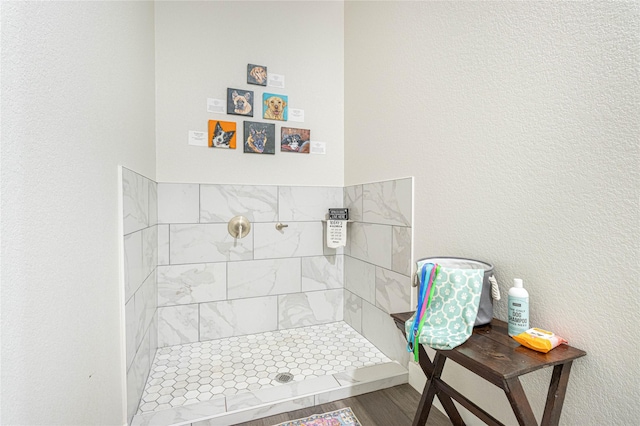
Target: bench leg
519,402
431,390
555,396
425,362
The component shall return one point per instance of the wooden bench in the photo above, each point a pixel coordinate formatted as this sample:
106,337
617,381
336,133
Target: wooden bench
493,355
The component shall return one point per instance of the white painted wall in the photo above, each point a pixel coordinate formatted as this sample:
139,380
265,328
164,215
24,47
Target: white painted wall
519,121
77,101
203,48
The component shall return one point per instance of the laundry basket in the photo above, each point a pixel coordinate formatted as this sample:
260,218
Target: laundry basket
485,309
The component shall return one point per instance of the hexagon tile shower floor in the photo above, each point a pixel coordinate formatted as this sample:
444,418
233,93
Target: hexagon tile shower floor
194,373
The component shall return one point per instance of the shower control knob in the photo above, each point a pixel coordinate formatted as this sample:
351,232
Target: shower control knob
239,227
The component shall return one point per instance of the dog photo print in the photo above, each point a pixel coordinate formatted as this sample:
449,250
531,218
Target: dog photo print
240,102
257,74
274,106
222,134
295,140
259,138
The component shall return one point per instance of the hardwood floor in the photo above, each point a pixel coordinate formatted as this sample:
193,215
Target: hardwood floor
388,407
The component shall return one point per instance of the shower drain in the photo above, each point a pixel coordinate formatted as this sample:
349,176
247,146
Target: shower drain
284,377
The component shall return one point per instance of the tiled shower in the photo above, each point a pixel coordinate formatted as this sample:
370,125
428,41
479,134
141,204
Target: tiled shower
190,286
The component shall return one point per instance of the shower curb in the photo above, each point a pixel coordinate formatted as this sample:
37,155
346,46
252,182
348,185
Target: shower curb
226,410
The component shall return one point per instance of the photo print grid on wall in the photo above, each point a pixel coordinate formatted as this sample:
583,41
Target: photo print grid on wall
274,107
222,134
257,74
240,102
295,140
258,137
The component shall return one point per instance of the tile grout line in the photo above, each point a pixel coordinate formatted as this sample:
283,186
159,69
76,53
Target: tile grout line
311,331
227,263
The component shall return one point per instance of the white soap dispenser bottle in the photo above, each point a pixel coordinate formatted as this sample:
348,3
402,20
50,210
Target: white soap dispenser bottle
518,308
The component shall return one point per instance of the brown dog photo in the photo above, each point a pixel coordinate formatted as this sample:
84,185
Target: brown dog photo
240,102
274,107
257,74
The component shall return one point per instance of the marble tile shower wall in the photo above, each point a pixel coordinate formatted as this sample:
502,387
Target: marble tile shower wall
211,286
140,242
377,261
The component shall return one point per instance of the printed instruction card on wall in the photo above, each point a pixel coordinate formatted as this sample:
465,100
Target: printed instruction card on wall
197,138
275,80
296,115
336,233
318,148
217,106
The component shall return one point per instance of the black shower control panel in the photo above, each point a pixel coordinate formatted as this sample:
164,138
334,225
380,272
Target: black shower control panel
338,214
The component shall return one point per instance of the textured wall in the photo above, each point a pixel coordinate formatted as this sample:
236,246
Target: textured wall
77,101
519,122
203,48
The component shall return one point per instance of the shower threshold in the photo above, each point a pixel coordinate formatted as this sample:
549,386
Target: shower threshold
237,379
